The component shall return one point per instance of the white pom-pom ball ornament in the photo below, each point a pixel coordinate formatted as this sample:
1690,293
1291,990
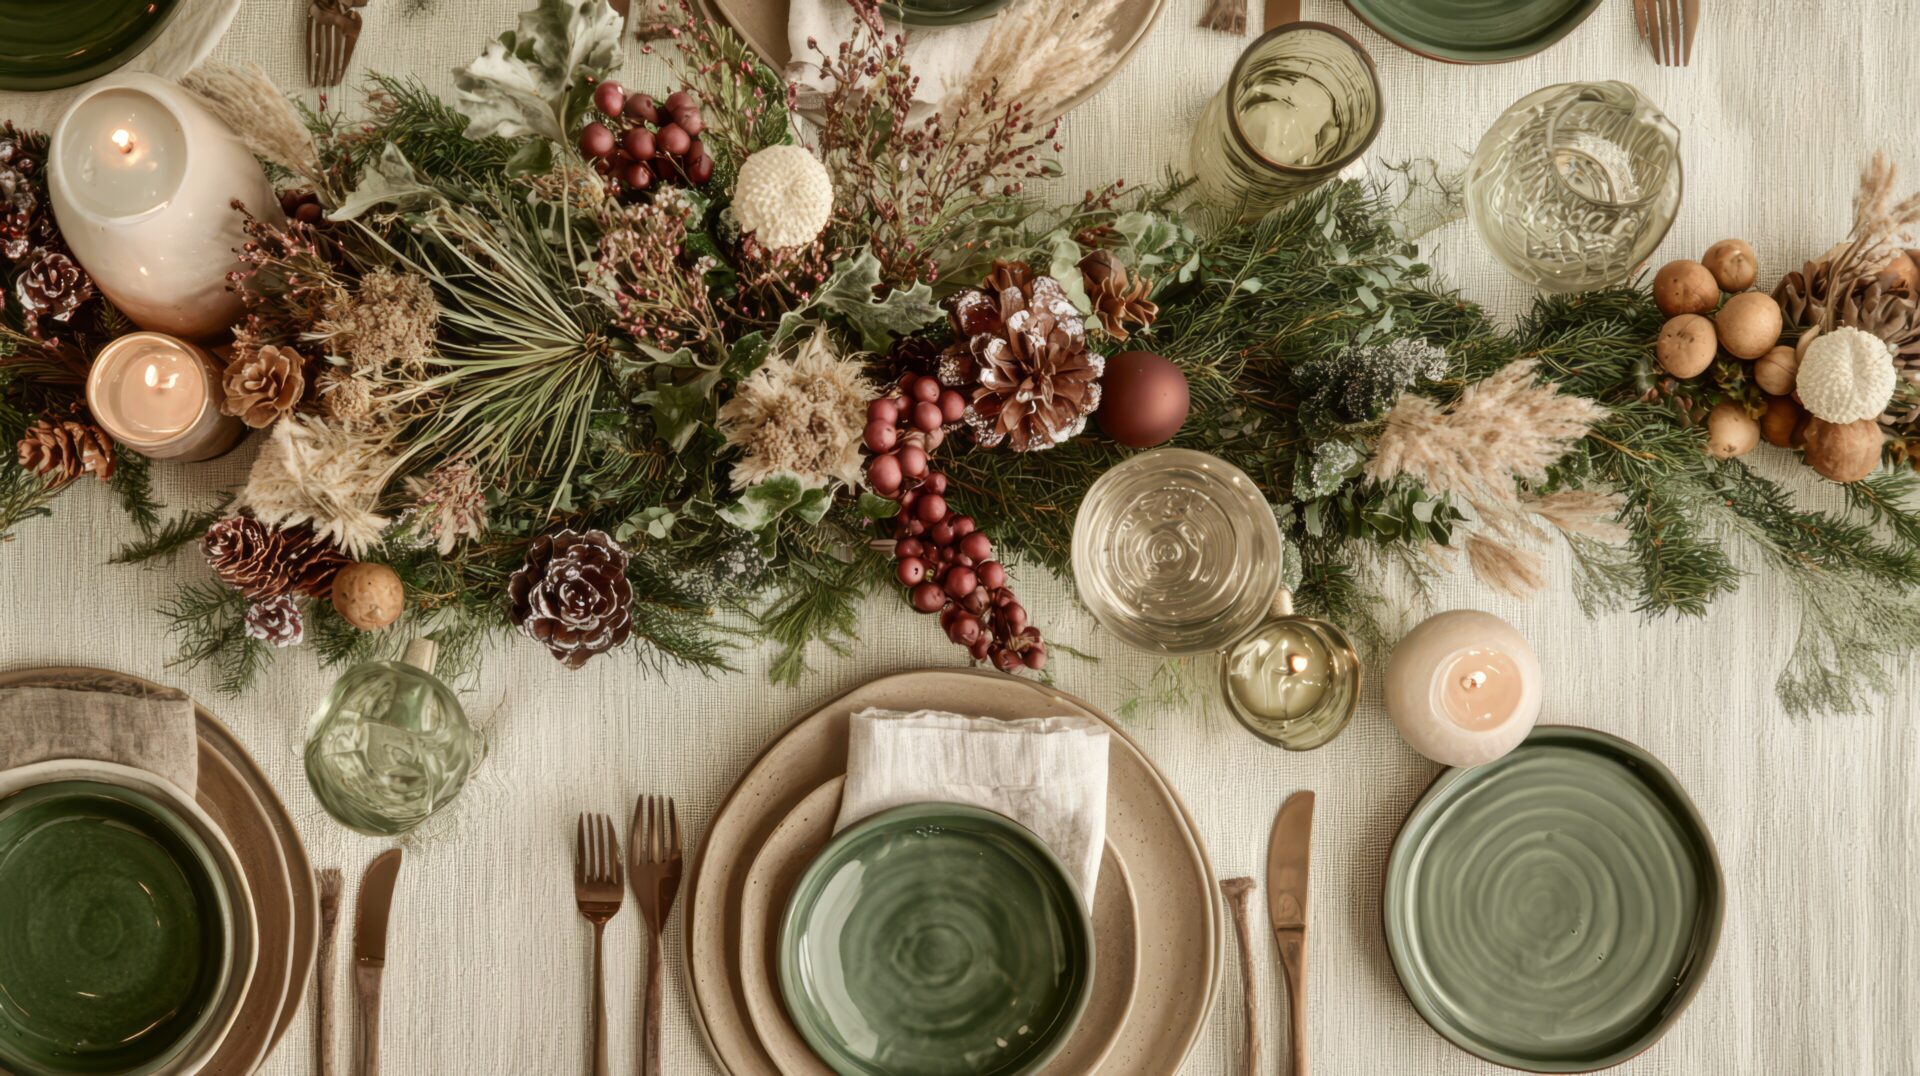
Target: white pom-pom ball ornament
1846,375
783,197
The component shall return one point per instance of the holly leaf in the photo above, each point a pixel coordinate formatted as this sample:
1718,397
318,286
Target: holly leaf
524,82
772,497
849,293
1063,265
874,506
390,180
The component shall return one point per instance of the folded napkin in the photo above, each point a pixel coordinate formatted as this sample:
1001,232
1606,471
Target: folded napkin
152,732
942,57
1048,774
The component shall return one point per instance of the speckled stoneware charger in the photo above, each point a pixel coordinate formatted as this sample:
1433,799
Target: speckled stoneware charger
1555,910
763,23
1473,31
1176,896
804,832
235,793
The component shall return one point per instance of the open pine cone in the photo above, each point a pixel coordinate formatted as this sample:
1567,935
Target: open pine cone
263,383
572,595
1022,353
1119,298
276,621
51,286
1886,305
63,451
266,562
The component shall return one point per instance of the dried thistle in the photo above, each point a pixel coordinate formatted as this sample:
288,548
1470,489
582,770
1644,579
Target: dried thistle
803,415
247,101
322,475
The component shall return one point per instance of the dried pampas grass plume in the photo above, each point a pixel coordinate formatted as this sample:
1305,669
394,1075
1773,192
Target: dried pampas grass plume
1039,53
803,416
325,476
246,100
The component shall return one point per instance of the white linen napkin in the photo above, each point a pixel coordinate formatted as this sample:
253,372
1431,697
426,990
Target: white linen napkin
152,732
1049,774
941,56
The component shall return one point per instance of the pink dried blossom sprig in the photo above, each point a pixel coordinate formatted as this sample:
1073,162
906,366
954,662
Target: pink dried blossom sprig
656,295
287,273
916,190
732,84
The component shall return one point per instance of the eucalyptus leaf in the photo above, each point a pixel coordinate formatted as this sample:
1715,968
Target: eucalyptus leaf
1064,266
522,83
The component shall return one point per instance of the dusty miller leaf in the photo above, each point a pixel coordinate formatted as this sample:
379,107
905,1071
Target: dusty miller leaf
772,497
521,84
390,181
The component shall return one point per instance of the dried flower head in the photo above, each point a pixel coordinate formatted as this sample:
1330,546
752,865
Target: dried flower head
322,475
449,506
262,383
347,398
803,415
387,323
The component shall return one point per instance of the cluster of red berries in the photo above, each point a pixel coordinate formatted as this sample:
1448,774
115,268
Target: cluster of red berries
302,205
638,143
945,563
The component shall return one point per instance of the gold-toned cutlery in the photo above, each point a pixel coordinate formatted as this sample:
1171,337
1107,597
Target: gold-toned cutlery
1668,26
333,29
1288,851
370,915
330,881
1239,893
653,859
598,890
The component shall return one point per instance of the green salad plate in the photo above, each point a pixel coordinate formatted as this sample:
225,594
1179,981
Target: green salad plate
47,44
1556,909
112,931
1473,31
940,12
935,939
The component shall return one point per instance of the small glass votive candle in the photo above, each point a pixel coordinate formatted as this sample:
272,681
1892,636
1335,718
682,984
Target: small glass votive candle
160,396
1302,103
1294,681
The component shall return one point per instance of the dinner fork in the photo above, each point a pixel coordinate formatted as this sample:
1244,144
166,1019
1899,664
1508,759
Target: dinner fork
333,28
1667,26
653,859
597,889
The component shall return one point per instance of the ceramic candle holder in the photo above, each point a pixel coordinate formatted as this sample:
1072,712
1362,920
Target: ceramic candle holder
1463,688
161,397
1293,681
143,178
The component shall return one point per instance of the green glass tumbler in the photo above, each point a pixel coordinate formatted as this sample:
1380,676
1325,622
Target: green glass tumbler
390,745
1302,103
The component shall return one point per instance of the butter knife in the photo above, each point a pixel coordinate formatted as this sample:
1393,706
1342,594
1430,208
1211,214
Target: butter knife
370,955
1287,852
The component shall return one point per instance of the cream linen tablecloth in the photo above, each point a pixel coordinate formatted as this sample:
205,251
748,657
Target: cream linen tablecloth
1817,821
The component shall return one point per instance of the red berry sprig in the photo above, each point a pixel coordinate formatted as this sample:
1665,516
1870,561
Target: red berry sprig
638,143
945,563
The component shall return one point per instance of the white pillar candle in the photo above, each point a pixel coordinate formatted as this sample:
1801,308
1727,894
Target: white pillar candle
1463,688
142,178
160,397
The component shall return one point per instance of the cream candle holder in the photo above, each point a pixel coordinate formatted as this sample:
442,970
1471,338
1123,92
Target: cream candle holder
1463,687
160,396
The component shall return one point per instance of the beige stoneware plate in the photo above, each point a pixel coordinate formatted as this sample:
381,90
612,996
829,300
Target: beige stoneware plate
799,838
1180,930
236,793
763,23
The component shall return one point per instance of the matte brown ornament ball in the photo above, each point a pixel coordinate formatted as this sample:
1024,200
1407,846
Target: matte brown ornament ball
1143,399
369,596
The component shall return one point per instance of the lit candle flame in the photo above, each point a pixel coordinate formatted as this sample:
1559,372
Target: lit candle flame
1296,664
1473,680
124,139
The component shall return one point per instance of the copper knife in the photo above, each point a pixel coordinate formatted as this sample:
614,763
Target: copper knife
370,955
1288,850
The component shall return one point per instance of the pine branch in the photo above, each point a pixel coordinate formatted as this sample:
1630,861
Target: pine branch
133,482
208,622
165,541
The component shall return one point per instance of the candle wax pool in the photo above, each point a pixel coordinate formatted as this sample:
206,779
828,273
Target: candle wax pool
1480,688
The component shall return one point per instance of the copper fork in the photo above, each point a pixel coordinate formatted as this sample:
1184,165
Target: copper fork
1667,26
333,28
653,859
598,889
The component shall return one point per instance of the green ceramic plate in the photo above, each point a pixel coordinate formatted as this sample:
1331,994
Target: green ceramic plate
940,12
1473,31
935,940
46,44
1555,910
112,931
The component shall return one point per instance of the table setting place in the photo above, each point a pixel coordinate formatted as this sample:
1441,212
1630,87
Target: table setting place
709,336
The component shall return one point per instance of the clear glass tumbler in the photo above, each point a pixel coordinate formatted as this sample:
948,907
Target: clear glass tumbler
1574,186
1302,103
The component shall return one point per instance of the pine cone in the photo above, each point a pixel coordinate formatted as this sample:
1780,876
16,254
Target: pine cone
19,214
572,595
1119,299
51,286
268,562
1006,275
63,451
263,383
1024,353
276,622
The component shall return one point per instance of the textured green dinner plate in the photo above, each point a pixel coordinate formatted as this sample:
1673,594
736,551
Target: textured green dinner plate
112,933
935,940
1473,31
940,12
46,44
1554,910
